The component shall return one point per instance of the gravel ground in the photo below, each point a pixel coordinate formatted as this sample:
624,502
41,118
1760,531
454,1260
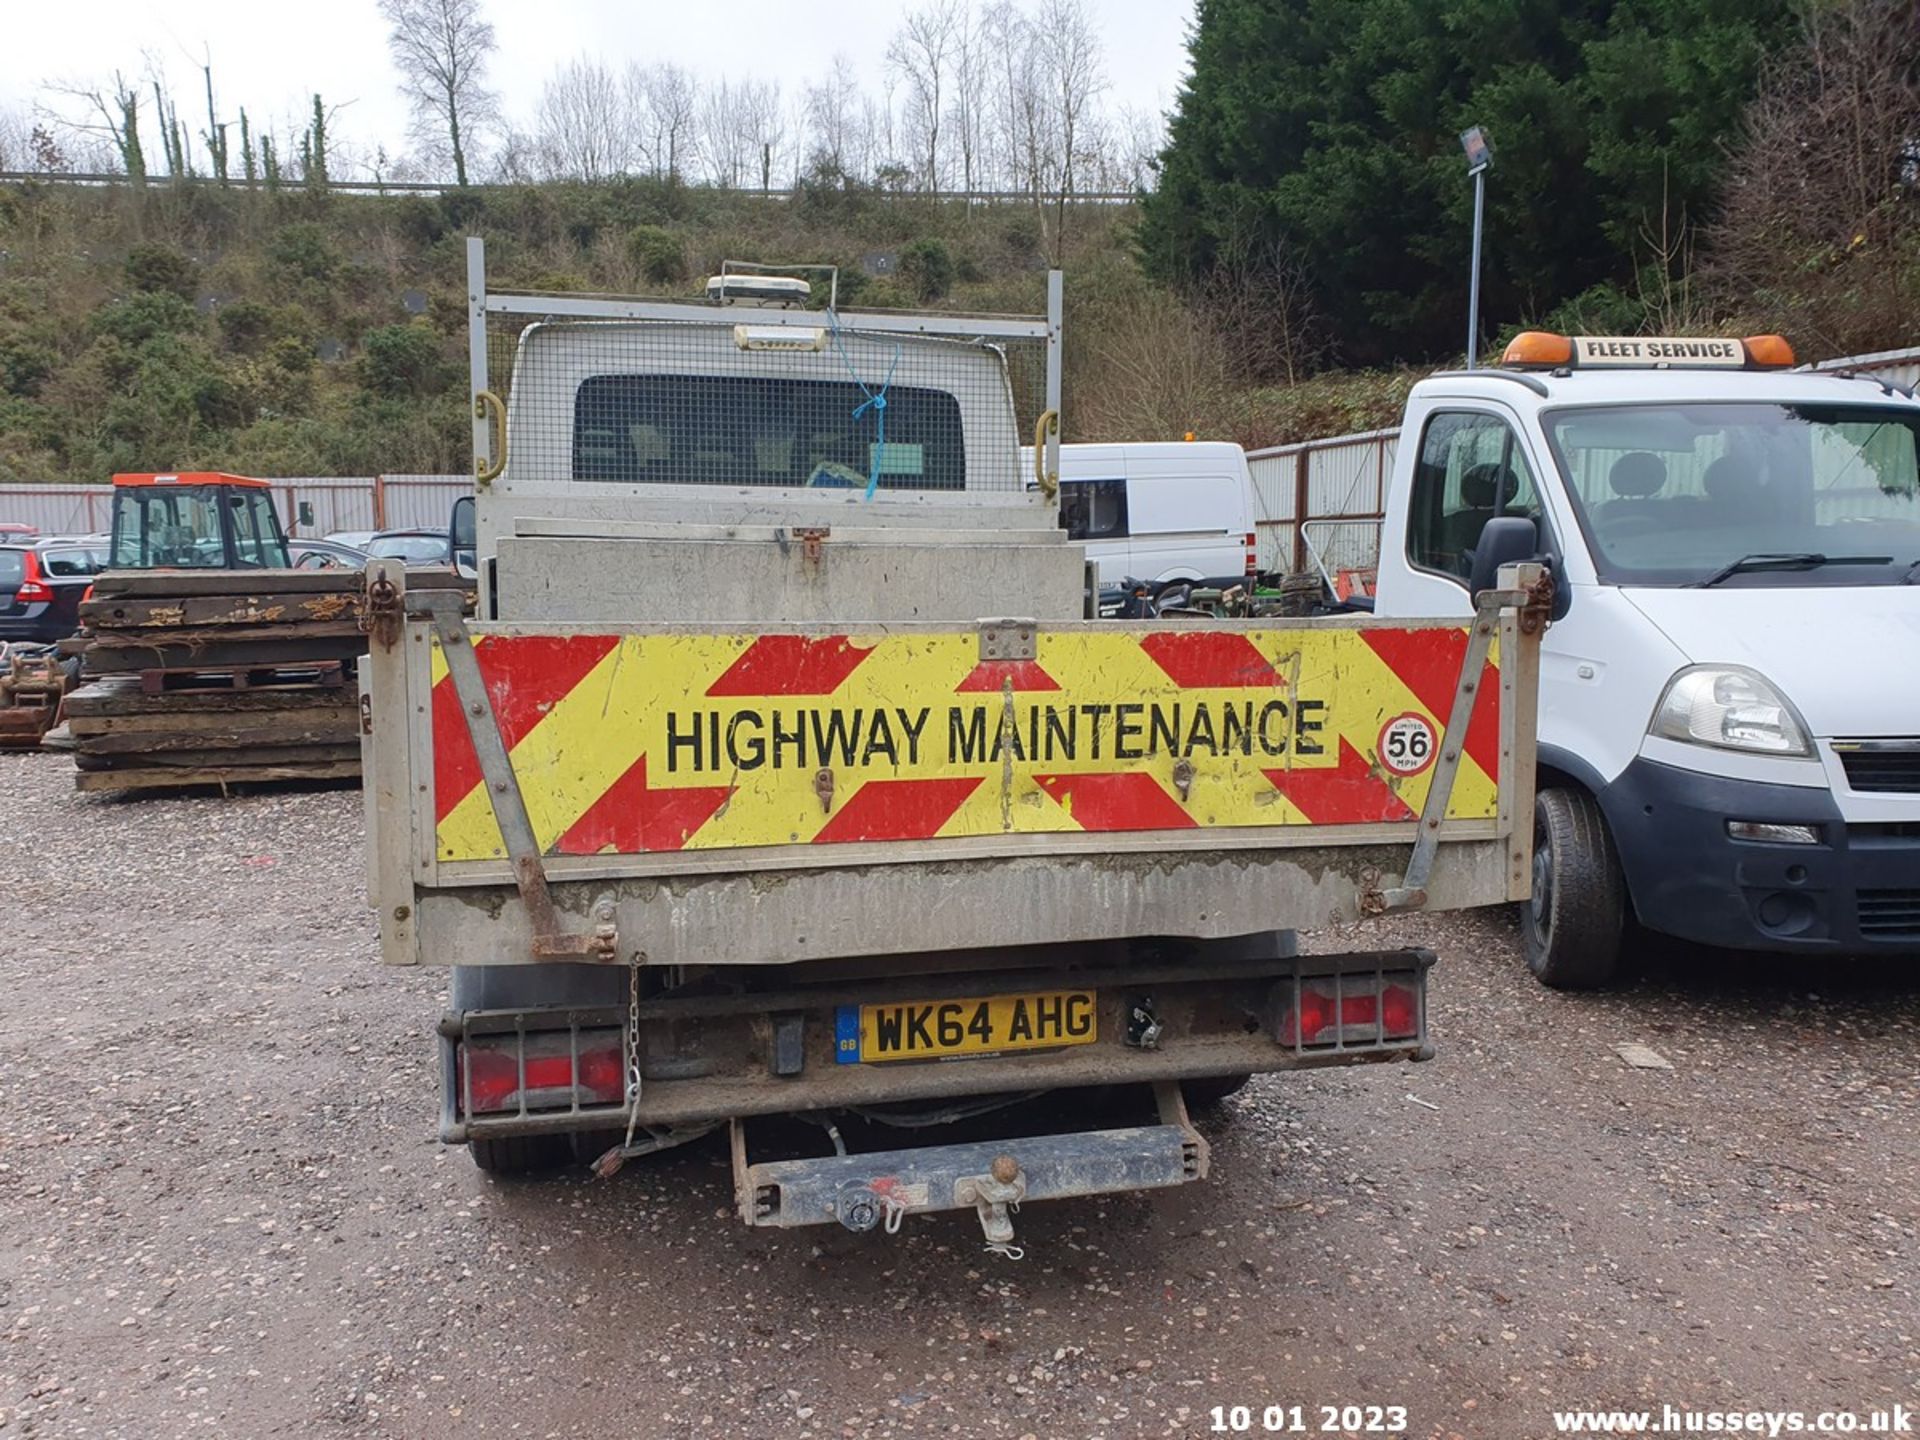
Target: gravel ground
223,1211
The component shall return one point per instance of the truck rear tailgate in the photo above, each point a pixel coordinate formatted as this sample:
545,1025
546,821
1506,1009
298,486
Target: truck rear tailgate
731,795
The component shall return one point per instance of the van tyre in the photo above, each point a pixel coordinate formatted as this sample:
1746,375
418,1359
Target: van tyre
521,1154
1570,931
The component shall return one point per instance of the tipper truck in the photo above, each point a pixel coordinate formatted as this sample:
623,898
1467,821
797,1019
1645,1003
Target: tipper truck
782,774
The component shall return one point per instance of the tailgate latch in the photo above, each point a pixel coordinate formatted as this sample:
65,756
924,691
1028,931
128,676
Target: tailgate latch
811,538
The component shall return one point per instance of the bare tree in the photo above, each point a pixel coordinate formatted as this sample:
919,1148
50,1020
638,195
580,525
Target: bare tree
586,129
921,54
112,115
1820,215
440,48
15,141
1021,120
1133,150
724,143
669,100
876,134
1074,77
516,160
833,119
214,137
763,125
967,111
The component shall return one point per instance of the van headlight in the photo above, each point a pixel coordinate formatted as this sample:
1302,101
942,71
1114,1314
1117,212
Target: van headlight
1729,707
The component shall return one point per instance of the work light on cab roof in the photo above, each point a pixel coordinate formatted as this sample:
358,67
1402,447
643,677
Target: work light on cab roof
1543,350
779,291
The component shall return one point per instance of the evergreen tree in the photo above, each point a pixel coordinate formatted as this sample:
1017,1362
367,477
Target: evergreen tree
1331,127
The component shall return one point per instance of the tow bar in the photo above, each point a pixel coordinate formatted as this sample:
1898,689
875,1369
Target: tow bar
877,1191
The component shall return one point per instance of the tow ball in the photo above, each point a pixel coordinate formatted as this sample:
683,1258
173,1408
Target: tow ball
995,1196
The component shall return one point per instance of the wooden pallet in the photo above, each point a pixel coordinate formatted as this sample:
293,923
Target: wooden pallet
115,654
123,699
321,675
173,760
156,584
95,781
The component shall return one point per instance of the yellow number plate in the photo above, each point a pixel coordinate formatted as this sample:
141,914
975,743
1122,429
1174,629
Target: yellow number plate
942,1029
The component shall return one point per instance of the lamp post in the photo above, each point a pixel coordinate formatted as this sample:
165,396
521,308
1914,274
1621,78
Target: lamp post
1479,161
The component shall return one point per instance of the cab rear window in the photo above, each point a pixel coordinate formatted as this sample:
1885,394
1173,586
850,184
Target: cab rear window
752,430
13,569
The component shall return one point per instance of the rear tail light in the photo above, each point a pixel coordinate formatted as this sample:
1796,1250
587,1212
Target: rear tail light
493,1075
1353,1010
33,590
1253,553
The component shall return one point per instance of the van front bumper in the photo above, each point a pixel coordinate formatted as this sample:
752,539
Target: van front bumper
1856,891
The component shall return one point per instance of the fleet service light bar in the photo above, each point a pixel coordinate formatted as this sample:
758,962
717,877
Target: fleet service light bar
1540,350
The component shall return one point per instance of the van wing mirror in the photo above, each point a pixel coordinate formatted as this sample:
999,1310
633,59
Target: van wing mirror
460,533
1504,540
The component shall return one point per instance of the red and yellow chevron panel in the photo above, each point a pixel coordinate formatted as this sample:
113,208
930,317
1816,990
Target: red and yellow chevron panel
632,744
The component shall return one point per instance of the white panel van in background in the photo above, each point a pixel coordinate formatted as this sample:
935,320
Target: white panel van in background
1164,511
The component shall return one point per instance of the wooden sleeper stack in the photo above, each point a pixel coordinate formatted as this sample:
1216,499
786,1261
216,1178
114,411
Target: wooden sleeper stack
221,677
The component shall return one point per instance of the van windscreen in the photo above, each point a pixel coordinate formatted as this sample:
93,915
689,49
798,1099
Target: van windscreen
755,430
1671,494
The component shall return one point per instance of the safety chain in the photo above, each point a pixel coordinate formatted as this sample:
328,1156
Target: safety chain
633,1049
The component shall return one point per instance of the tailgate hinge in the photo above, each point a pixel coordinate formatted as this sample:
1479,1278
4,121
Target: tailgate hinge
550,940
1528,589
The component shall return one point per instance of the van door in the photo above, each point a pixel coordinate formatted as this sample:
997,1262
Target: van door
1186,516
1094,509
1471,465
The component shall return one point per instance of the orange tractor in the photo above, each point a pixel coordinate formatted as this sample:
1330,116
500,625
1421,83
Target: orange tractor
195,520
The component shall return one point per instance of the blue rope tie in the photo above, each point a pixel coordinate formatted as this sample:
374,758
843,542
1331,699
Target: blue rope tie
876,401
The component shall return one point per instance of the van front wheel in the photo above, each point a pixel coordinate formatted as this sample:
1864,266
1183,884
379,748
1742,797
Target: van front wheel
1571,929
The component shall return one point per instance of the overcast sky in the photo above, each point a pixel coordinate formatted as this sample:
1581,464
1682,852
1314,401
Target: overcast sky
271,55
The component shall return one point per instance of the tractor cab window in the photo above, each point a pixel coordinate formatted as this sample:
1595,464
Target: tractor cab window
188,527
167,528
256,531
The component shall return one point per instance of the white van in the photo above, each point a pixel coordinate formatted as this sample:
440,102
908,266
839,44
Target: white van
1162,511
1730,689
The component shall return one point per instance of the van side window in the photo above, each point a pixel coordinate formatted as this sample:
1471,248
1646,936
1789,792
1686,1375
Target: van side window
1094,509
1471,468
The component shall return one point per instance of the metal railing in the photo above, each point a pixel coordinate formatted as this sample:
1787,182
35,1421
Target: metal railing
442,187
367,502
